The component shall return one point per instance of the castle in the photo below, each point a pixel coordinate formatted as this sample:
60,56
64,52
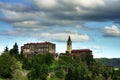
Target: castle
31,49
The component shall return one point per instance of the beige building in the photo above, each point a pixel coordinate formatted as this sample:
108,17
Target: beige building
30,49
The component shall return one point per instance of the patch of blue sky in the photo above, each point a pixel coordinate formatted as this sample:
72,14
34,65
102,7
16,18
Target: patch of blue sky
13,1
99,24
5,26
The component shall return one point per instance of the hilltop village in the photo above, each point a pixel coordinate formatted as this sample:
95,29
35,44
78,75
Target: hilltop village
31,49
39,61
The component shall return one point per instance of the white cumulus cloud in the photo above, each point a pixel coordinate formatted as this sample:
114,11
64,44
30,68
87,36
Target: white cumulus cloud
62,37
113,31
45,3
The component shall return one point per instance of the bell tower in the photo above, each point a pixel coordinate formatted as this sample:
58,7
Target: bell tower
69,45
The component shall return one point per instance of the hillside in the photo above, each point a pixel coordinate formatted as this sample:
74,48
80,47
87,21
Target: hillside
115,62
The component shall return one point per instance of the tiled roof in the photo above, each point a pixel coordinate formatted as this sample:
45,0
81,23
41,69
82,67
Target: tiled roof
39,43
81,50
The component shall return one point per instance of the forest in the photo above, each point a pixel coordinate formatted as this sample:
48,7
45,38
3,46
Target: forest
14,66
115,62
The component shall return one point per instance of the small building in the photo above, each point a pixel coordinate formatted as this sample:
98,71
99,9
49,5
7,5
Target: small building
81,52
31,49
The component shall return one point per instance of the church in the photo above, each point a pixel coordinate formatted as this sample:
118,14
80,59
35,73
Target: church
82,53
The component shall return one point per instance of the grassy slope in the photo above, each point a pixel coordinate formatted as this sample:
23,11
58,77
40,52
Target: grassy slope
1,79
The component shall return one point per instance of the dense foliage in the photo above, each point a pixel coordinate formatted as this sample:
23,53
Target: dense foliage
15,51
116,75
7,65
38,65
45,67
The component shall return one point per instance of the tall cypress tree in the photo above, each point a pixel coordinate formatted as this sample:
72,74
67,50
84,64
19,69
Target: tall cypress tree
15,48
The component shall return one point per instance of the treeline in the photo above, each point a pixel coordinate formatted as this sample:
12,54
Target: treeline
13,66
114,62
9,63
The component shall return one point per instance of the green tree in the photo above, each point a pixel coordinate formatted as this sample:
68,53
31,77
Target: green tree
69,75
6,49
116,74
42,59
49,58
60,74
82,72
40,64
7,65
39,72
21,55
15,48
27,64
100,70
79,72
15,51
99,77
65,62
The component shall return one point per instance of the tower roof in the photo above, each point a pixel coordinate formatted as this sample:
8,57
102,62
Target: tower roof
69,39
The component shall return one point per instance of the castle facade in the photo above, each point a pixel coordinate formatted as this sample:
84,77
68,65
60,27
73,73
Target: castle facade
31,49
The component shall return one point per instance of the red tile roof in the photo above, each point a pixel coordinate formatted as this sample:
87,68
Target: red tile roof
81,50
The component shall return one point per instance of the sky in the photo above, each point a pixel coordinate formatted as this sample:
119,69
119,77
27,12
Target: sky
92,24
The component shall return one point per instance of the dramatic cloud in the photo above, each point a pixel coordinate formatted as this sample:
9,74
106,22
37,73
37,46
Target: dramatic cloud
45,3
113,31
63,37
39,17
57,37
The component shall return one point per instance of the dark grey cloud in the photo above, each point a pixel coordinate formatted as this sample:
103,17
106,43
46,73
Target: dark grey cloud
50,17
64,12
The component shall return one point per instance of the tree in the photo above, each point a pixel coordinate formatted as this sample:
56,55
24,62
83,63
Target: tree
6,49
39,72
27,63
48,58
69,75
7,65
100,71
99,77
79,72
15,51
82,72
42,59
60,73
40,64
116,74
65,62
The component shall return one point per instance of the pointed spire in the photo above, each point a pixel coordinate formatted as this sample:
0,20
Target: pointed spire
69,39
